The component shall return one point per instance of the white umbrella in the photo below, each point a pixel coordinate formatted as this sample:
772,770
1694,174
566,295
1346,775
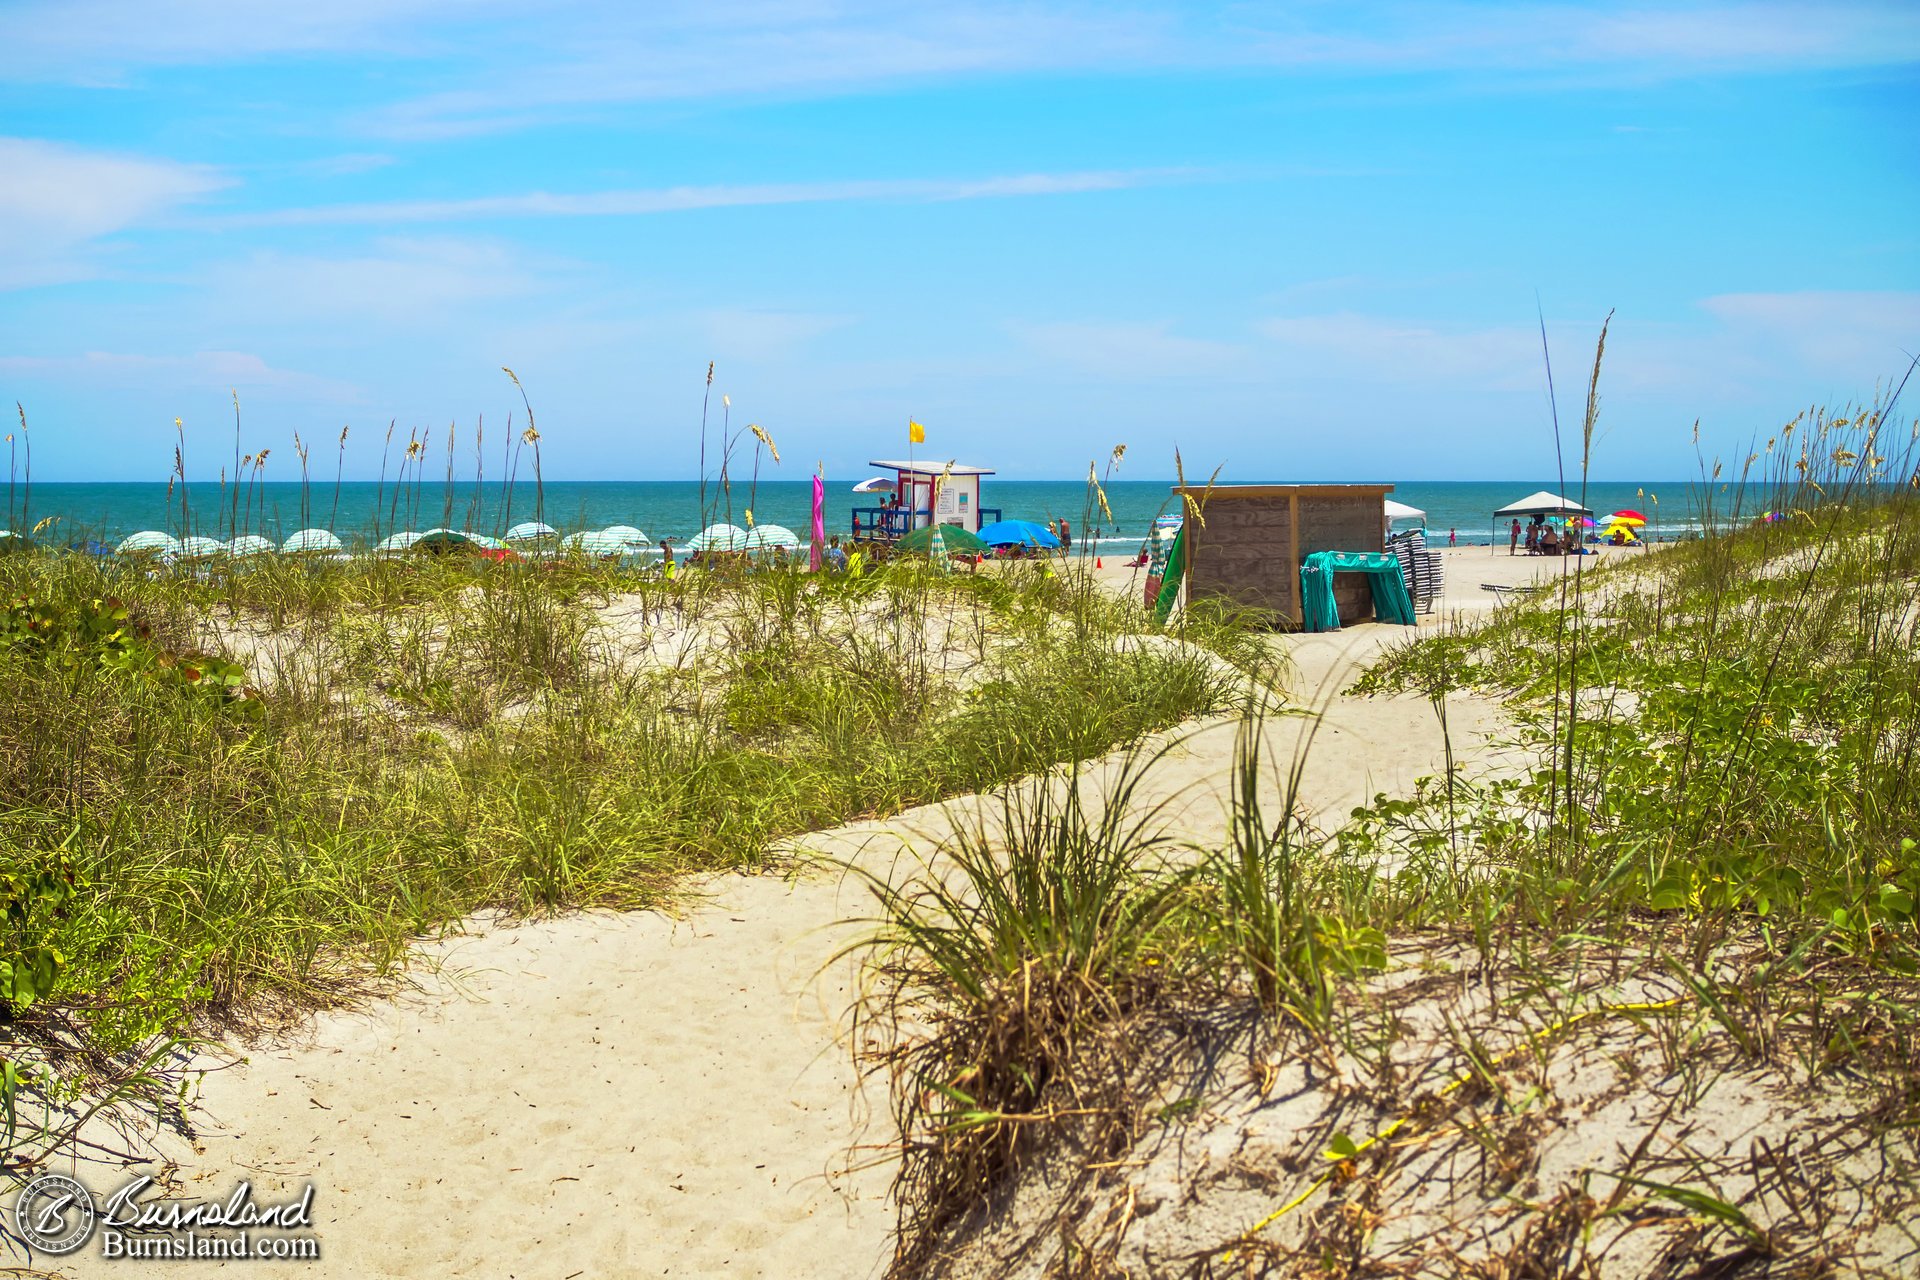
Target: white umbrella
312,540
597,542
530,531
398,542
877,484
634,539
250,544
201,548
481,540
1401,511
771,537
147,540
719,537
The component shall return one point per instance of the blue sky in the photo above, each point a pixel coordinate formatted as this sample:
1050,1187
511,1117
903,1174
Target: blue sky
1295,240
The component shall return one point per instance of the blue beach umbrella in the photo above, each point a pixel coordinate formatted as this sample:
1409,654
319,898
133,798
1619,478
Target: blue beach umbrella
1021,533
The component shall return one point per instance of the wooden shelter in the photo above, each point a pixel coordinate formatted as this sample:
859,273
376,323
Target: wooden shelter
1256,536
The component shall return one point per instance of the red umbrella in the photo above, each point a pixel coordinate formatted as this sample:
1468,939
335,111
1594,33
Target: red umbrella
1629,515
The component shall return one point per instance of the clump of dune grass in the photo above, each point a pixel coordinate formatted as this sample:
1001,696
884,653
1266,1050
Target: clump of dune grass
1030,947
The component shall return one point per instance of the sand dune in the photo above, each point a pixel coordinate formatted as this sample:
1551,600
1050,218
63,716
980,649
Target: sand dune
639,1095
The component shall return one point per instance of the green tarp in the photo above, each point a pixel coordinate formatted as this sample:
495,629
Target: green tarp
1170,577
1390,600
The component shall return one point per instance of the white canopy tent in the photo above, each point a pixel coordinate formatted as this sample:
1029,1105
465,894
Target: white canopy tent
1401,511
1542,503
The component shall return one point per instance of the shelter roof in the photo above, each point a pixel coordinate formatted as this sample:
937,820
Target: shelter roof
924,468
1215,492
1543,504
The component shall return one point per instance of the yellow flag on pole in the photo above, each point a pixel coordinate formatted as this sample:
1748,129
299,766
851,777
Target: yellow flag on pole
916,434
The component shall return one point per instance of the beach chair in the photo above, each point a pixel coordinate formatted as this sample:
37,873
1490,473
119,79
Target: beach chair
1420,568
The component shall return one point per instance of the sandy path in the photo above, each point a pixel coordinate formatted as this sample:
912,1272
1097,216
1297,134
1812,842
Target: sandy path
627,1094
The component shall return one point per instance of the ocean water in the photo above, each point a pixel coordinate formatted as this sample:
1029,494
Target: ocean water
364,512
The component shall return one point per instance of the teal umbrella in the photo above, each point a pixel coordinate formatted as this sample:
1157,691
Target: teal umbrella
197,548
147,542
443,540
952,538
632,538
598,542
312,540
719,537
772,537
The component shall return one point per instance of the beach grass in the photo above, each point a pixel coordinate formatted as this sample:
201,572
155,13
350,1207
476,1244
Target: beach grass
239,793
1708,876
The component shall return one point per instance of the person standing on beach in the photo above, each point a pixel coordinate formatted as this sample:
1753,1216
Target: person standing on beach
1453,537
666,558
1066,535
1513,541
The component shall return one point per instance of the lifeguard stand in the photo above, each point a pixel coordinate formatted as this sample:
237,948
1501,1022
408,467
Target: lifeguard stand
927,493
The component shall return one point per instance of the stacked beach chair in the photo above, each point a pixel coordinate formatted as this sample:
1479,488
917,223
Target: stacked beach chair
1423,570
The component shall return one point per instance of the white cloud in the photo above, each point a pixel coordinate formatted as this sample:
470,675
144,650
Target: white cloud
669,52
1380,348
346,165
397,280
634,203
1129,352
562,60
1859,335
672,52
56,201
763,336
99,41
206,370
